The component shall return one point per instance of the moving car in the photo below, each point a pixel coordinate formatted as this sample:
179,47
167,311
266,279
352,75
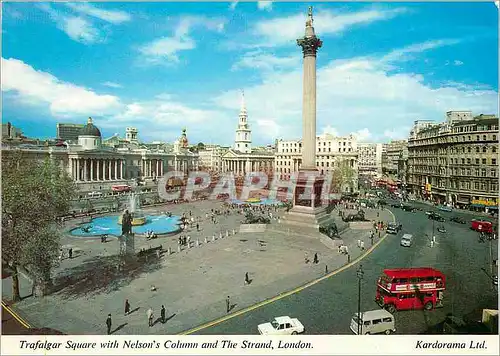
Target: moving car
394,228
282,325
458,219
445,208
406,240
395,205
428,212
373,322
436,217
407,207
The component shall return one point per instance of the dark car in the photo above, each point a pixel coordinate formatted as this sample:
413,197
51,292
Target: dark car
395,205
436,217
458,219
407,207
394,228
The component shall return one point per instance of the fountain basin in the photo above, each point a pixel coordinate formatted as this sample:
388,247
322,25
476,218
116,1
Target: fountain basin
136,221
108,225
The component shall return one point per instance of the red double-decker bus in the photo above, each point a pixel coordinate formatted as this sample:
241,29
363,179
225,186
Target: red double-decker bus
410,288
121,188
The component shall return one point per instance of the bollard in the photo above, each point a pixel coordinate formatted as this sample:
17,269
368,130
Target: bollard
220,235
197,242
227,233
170,250
234,232
179,249
213,237
205,239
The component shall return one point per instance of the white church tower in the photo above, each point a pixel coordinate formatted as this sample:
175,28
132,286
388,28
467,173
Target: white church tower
243,141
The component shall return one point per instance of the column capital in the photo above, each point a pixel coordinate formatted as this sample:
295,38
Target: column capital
310,45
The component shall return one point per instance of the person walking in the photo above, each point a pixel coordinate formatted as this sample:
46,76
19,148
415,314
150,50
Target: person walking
162,314
228,304
150,316
127,307
70,252
109,323
247,280
315,258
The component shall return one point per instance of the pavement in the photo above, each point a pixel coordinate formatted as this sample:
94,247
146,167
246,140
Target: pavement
328,306
192,284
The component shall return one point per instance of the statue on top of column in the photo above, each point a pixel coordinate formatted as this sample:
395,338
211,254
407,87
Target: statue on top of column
309,21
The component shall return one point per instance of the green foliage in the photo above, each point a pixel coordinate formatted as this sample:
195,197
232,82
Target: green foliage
34,194
343,175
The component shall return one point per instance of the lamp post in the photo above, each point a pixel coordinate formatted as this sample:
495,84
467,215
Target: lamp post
359,274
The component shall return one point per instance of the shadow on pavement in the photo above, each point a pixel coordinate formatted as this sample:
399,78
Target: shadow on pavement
101,274
119,327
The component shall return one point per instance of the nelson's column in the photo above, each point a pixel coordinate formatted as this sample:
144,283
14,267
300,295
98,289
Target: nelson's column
307,213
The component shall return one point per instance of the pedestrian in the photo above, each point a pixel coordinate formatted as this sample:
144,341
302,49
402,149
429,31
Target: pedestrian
70,252
228,304
150,316
109,323
247,280
326,269
362,245
197,227
162,313
61,252
127,307
315,258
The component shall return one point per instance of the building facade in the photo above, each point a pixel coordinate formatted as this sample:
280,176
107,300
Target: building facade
210,158
68,132
94,166
455,162
242,158
331,153
370,159
392,153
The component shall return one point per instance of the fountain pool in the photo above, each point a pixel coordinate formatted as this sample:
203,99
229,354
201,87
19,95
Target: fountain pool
108,225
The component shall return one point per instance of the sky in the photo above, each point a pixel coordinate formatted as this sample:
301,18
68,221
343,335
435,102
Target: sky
162,67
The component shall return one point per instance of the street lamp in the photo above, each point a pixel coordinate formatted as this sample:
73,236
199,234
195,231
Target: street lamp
359,274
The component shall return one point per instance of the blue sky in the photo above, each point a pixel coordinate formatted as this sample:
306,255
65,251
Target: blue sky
164,66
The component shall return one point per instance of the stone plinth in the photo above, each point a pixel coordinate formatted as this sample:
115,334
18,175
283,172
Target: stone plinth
308,214
127,247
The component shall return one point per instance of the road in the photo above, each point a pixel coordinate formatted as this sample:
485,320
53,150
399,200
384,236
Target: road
327,307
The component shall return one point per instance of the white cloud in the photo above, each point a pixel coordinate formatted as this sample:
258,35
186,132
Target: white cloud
111,16
457,62
112,85
285,30
360,95
233,4
402,53
265,5
165,50
63,99
400,133
328,129
363,135
77,28
265,61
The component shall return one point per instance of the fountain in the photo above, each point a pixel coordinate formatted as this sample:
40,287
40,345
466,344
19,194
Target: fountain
138,218
111,224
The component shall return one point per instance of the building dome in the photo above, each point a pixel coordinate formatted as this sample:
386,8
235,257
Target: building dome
90,129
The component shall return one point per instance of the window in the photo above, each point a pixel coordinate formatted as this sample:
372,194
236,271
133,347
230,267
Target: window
387,320
469,149
484,137
483,161
493,173
376,321
493,161
477,138
494,137
477,149
366,323
477,160
468,160
483,172
493,149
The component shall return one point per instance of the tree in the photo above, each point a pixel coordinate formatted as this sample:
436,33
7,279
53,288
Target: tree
342,176
34,195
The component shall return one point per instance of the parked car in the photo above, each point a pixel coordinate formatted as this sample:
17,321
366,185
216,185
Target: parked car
282,325
395,205
445,208
436,217
428,212
458,219
394,228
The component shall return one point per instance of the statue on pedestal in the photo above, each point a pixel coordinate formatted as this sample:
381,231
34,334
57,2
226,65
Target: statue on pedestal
126,223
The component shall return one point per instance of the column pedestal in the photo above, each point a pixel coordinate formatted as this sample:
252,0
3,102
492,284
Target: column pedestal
309,213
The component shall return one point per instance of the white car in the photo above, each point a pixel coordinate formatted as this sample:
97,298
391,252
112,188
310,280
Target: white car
282,325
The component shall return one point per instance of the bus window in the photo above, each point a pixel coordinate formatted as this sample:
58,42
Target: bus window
429,279
413,280
403,280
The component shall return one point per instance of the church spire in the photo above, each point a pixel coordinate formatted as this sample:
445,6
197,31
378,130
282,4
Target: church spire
243,109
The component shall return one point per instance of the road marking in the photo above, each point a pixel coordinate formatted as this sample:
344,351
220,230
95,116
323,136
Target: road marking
16,316
286,294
